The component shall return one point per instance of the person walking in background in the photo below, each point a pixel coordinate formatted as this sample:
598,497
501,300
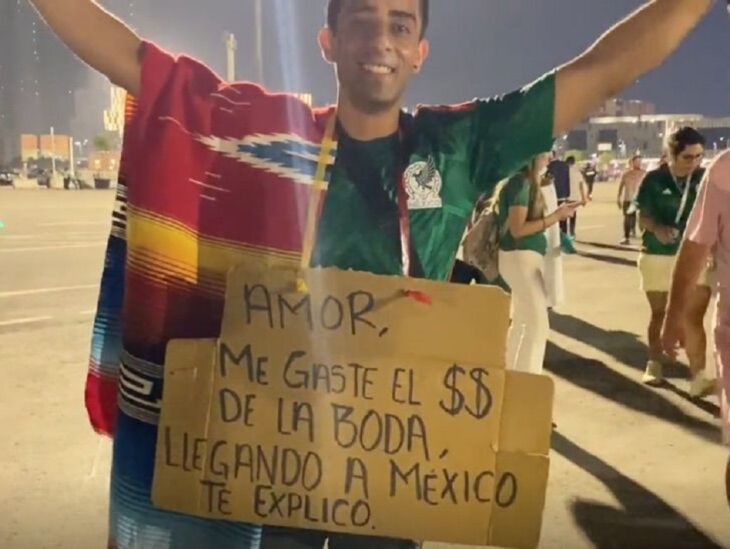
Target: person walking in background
523,245
627,191
665,199
705,236
590,173
559,170
578,192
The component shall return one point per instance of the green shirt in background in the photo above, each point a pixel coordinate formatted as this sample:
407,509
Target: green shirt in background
452,155
516,192
660,198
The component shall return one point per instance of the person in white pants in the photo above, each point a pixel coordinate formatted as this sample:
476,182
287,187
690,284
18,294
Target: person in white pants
554,280
523,245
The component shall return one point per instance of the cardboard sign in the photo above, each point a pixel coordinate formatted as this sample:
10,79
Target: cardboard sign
356,408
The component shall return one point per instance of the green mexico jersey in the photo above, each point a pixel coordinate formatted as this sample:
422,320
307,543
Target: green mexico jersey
450,156
517,193
660,198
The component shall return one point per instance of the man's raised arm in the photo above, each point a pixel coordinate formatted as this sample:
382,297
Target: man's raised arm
636,45
97,37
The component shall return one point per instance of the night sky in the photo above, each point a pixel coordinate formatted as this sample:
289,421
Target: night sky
479,48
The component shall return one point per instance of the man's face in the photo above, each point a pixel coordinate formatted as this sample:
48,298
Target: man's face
376,48
689,159
636,163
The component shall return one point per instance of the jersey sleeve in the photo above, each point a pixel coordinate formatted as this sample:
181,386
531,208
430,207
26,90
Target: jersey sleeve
518,193
645,197
512,129
493,139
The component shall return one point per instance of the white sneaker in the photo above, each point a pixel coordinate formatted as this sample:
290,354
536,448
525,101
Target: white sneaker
700,386
654,373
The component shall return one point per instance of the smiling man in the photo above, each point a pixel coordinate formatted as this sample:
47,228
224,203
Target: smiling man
217,173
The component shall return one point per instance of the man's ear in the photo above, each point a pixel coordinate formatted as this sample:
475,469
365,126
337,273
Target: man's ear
326,40
424,48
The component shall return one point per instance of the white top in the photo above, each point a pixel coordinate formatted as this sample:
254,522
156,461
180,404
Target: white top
577,181
554,284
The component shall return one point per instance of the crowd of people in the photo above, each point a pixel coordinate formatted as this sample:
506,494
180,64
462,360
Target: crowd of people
681,211
396,199
659,201
656,203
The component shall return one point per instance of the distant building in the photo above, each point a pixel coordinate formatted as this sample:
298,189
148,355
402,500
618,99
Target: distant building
57,146
625,135
625,107
38,76
33,147
29,147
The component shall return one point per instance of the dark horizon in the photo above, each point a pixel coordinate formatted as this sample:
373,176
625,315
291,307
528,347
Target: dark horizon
480,49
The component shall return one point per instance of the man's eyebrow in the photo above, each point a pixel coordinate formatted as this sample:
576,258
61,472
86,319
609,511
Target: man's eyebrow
361,9
396,14
400,14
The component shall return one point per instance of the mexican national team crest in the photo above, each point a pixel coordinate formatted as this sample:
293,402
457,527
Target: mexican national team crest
423,184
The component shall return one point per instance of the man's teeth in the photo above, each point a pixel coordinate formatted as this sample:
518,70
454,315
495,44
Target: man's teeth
377,69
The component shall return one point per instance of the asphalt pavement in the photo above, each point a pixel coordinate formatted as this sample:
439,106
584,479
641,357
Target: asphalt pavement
632,466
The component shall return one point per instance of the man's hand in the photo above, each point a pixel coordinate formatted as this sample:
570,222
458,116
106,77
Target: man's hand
665,235
97,37
691,260
673,335
636,45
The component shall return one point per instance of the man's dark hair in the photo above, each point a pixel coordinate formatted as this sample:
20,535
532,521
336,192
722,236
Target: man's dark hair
334,7
570,160
683,138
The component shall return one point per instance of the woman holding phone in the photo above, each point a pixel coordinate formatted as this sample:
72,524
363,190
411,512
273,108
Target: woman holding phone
523,245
